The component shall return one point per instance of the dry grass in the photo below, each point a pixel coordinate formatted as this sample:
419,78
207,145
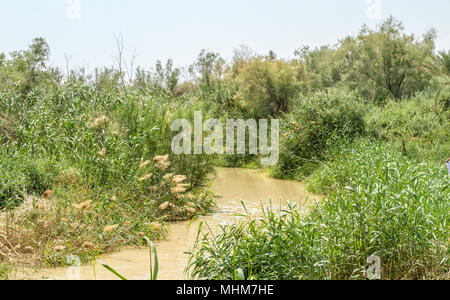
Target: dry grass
42,231
46,229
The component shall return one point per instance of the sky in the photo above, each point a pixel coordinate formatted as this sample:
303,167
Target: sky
84,30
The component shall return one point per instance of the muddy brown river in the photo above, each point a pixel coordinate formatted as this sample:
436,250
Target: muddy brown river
233,186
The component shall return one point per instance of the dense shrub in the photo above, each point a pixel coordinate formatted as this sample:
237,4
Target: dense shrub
21,175
414,123
313,124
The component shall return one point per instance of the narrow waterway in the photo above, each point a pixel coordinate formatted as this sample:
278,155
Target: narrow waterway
233,186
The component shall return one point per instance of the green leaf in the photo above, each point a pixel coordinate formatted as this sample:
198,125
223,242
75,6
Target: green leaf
112,270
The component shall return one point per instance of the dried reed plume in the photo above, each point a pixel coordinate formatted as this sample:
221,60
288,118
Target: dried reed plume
84,206
144,164
110,228
99,122
145,177
179,179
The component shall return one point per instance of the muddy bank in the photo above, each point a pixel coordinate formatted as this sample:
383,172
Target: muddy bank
233,186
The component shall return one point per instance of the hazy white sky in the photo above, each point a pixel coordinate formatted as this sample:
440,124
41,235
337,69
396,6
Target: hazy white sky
179,29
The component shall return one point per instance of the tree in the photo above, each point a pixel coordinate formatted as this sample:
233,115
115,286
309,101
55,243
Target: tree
387,62
168,76
266,86
164,79
320,68
209,65
27,69
38,54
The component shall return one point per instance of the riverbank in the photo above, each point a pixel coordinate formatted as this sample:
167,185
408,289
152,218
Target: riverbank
67,224
251,187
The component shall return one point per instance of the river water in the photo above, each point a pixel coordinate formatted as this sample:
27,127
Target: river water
233,186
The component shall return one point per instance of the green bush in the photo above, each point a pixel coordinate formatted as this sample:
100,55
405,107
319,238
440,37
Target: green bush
315,123
24,175
413,122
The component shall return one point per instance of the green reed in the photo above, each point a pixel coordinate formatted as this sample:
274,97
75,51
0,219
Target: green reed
383,204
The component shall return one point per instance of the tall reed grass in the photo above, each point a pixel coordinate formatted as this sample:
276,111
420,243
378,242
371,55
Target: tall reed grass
78,174
382,204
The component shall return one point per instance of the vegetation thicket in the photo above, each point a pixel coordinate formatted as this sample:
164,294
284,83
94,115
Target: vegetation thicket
86,163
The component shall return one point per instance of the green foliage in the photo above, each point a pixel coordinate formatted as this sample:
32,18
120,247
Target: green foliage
23,71
410,119
388,63
413,122
220,99
208,67
320,68
380,64
5,270
23,175
313,124
87,145
384,205
92,139
444,61
76,123
266,86
163,81
106,78
440,64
